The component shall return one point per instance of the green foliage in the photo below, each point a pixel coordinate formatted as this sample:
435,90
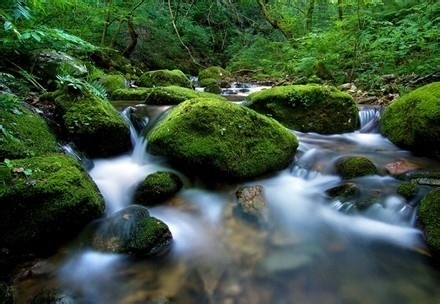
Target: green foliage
80,87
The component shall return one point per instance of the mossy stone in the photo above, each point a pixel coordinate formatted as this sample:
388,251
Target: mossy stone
207,82
157,187
131,94
222,140
213,72
45,201
172,95
308,108
429,216
94,125
408,190
160,78
355,166
413,121
24,134
134,232
213,88
113,82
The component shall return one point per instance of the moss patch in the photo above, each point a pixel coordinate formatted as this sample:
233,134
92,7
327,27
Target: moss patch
113,82
45,201
24,134
172,95
213,72
157,187
413,121
429,216
222,140
164,78
355,166
308,108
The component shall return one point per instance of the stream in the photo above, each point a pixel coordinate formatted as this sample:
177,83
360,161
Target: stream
315,249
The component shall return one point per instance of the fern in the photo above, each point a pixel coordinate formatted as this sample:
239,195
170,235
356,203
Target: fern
80,87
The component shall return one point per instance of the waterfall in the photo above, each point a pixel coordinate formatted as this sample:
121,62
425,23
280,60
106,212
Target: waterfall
369,118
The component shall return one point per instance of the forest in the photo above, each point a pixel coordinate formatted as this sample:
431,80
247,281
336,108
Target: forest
358,41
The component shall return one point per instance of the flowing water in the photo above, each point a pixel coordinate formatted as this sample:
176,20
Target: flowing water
314,249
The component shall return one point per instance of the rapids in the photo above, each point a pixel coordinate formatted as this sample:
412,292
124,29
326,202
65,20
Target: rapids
314,250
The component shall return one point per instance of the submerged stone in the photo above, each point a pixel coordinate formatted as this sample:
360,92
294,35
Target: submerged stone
252,205
220,140
412,121
45,201
134,232
308,108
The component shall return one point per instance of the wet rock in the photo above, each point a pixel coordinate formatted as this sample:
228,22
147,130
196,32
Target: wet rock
6,294
54,296
355,166
345,191
222,141
308,108
400,167
157,187
284,260
411,122
252,205
408,190
132,231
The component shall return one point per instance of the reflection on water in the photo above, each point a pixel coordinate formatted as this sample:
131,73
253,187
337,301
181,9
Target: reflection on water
314,249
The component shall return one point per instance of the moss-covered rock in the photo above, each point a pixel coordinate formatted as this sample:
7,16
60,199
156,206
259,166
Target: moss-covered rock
213,72
207,82
222,140
157,187
213,88
408,189
93,124
355,166
429,217
23,133
344,192
131,94
172,95
161,78
413,121
45,201
133,231
308,108
113,82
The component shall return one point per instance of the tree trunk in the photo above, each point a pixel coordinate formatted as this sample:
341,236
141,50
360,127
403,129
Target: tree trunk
106,23
274,22
134,39
309,15
340,12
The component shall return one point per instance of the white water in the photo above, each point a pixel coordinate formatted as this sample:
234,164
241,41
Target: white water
318,233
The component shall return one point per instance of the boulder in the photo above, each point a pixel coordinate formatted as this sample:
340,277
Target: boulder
412,121
131,94
251,204
429,217
355,166
93,124
222,140
213,72
172,95
113,82
157,187
161,78
45,201
24,133
308,108
134,232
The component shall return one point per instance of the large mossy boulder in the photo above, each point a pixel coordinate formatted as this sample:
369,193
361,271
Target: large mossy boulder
162,78
212,73
113,82
308,108
45,201
134,232
429,217
413,121
172,95
156,188
93,124
24,133
355,166
221,140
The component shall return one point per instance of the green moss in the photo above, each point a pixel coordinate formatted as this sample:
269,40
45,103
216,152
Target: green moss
157,187
213,72
113,82
131,94
308,108
223,140
207,82
355,166
408,190
94,125
164,78
429,216
24,134
413,121
172,95
48,205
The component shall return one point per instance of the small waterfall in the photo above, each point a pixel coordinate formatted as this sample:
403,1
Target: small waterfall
70,149
369,118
